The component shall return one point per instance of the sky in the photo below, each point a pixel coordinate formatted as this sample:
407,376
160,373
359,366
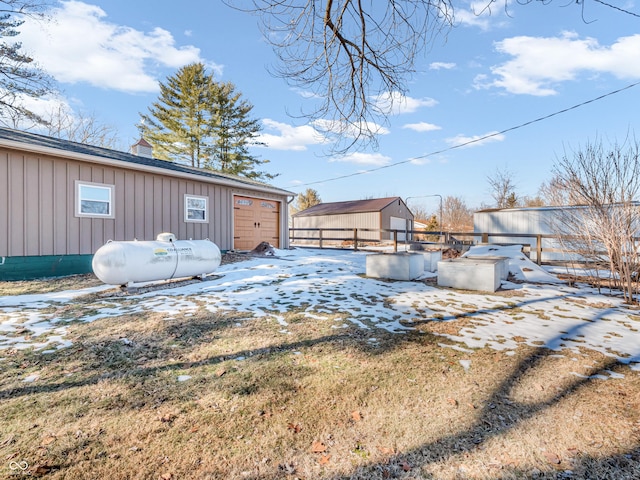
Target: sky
327,286
508,74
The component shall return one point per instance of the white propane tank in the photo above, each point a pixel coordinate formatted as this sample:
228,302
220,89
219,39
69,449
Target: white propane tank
123,263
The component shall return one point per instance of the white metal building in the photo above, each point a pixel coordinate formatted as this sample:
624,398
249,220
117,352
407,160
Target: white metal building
531,221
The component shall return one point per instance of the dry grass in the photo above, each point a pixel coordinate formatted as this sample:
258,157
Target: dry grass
317,403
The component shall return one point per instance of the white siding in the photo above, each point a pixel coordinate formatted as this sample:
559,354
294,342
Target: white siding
520,221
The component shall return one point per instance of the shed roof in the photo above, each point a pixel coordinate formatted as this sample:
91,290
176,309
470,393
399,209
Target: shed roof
353,206
59,147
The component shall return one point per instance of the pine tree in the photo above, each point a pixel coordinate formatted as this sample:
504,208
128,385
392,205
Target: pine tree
19,77
203,123
179,122
234,131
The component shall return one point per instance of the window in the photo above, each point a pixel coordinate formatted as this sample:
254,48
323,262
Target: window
94,200
195,209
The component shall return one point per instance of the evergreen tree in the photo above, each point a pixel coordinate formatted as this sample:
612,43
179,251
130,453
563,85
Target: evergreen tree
203,123
19,77
179,122
234,131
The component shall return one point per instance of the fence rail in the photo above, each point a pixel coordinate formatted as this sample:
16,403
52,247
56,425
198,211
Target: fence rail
317,236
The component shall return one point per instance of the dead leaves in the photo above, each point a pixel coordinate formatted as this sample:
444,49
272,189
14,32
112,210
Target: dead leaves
294,427
48,440
318,447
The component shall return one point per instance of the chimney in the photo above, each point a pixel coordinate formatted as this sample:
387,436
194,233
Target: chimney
142,148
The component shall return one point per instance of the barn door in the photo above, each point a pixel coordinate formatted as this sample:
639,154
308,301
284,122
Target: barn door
255,220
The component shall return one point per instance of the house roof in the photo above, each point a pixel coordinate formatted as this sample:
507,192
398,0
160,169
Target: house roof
354,206
65,148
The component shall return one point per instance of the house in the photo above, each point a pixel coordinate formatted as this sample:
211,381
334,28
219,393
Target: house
375,214
60,201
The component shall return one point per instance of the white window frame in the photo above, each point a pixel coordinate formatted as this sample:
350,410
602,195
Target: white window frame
187,198
110,199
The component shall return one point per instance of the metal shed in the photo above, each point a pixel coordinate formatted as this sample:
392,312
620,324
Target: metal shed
527,221
60,201
378,213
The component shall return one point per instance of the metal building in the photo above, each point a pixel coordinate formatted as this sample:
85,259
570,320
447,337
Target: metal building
389,213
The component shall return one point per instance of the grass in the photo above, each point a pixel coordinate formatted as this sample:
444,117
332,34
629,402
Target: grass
223,396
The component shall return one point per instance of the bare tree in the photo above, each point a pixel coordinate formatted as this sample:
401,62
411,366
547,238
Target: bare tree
456,215
503,187
62,122
355,56
603,227
422,215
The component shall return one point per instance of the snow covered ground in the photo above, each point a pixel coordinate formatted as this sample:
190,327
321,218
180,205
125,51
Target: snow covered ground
330,285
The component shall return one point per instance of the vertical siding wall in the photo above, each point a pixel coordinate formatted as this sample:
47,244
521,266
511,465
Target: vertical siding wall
526,221
399,210
37,207
348,221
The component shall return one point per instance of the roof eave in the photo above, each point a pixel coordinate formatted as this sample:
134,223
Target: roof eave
55,152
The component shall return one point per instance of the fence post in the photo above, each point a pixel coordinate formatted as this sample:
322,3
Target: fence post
485,238
539,249
320,238
355,239
395,241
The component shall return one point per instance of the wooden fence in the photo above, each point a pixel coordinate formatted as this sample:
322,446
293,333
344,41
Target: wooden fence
318,237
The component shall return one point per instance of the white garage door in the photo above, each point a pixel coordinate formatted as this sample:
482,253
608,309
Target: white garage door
399,224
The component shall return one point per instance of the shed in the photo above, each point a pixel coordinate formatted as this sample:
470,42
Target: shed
389,213
60,201
531,221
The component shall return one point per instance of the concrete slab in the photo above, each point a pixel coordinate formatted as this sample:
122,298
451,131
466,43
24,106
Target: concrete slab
395,266
478,274
431,260
503,263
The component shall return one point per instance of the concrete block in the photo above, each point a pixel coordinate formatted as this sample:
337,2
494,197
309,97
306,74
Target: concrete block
471,273
431,260
395,266
503,263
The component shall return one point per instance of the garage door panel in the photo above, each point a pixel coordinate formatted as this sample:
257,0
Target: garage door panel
255,220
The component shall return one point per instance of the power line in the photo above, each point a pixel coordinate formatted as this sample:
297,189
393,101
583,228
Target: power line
475,140
618,8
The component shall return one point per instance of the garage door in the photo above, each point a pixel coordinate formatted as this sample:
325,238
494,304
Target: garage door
401,225
255,220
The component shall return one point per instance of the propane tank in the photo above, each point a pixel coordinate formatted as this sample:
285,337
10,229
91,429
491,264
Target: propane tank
124,263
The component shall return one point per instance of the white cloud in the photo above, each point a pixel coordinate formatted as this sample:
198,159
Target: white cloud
79,45
349,130
441,66
396,103
359,158
540,63
479,14
476,140
422,127
289,137
419,161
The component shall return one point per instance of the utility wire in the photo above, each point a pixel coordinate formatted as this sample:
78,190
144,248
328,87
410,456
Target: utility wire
475,140
617,8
